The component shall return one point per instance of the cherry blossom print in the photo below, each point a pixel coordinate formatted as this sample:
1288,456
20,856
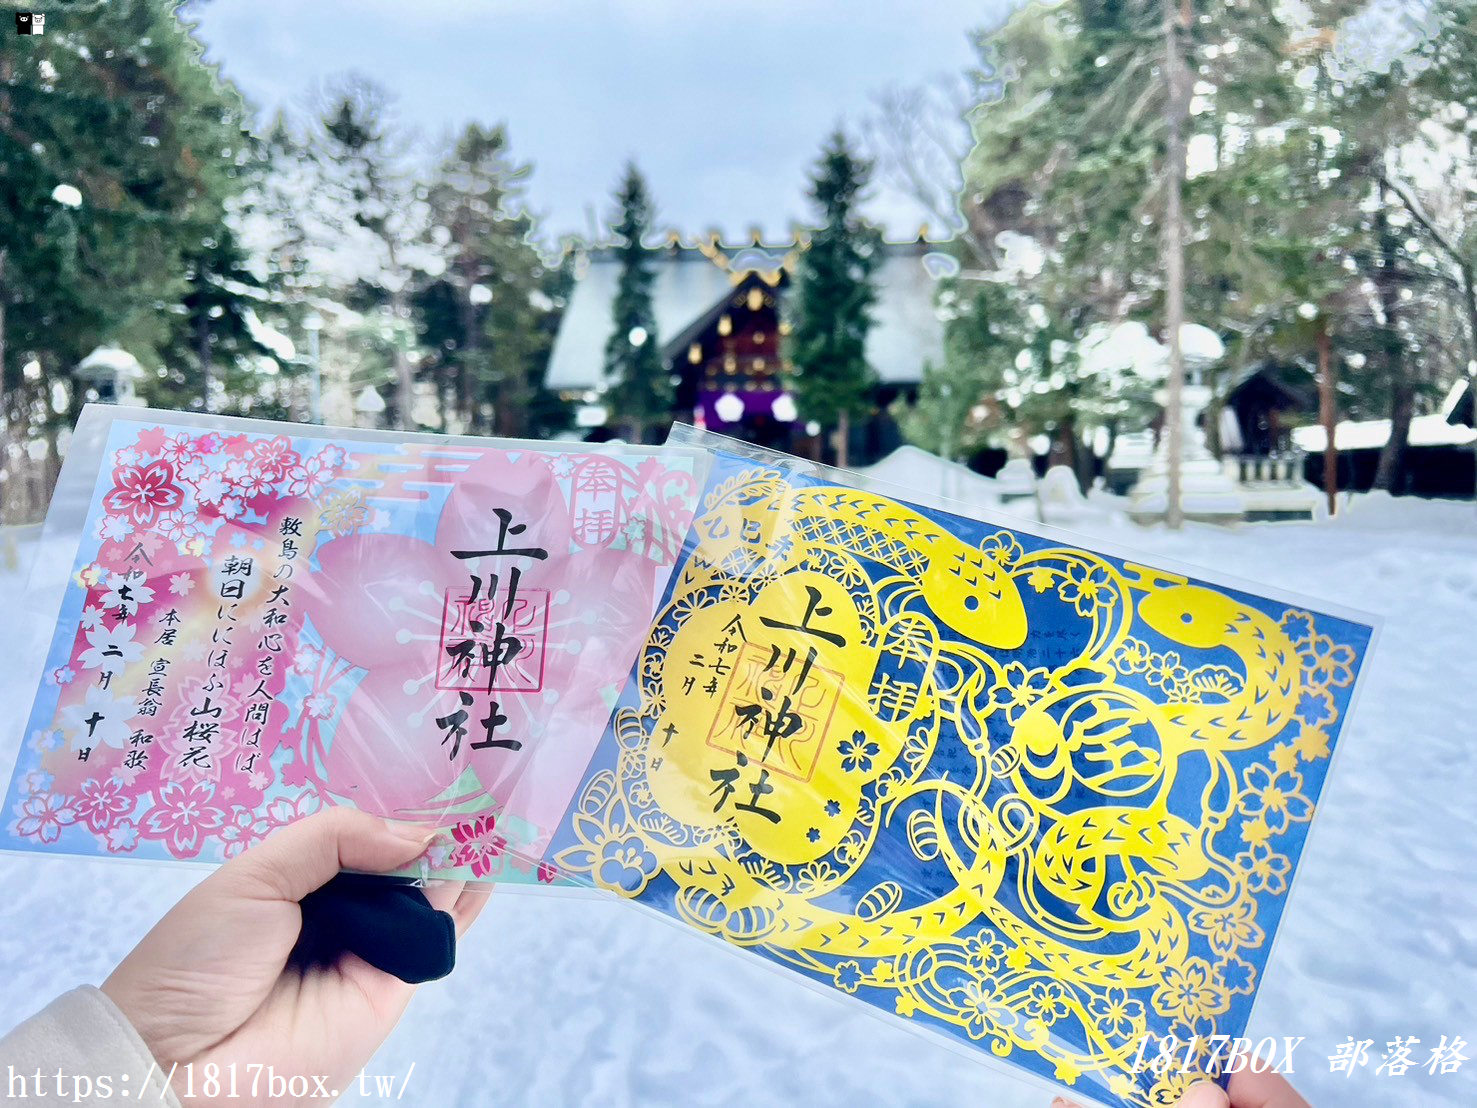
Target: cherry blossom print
42,816
101,719
182,815
194,709
142,492
274,456
109,649
478,845
126,591
122,837
101,803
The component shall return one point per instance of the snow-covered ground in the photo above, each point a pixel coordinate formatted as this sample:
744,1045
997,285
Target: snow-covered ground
578,1000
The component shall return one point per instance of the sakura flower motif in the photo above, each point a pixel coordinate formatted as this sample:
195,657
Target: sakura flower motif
63,676
180,450
211,489
248,478
306,660
141,493
126,457
258,780
635,529
858,752
438,854
91,575
547,873
192,471
101,719
181,584
114,528
209,443
110,649
126,591
309,477
232,507
274,456
1276,797
38,781
182,815
42,817
320,705
127,773
45,740
241,829
100,804
1019,688
479,845
122,837
1086,588
92,618
177,527
283,811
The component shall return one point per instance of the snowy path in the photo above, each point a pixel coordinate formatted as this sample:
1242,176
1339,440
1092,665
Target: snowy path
572,1000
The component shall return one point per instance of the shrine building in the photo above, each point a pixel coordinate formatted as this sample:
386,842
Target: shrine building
722,329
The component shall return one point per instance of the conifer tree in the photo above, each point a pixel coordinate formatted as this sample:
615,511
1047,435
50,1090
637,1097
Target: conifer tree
833,297
639,388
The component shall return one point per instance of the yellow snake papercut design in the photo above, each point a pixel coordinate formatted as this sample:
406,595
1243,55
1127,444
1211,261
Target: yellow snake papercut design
989,781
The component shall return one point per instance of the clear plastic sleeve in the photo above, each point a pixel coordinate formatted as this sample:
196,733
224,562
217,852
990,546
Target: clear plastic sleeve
260,619
1039,799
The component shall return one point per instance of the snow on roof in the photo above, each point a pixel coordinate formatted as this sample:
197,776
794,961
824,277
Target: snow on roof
908,467
109,360
905,329
267,336
1371,434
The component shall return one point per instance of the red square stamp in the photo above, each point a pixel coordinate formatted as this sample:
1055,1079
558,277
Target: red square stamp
777,709
492,643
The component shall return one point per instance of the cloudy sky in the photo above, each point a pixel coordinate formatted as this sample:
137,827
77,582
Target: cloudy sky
723,104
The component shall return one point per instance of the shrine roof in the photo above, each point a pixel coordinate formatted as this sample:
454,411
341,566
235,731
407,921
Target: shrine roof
692,278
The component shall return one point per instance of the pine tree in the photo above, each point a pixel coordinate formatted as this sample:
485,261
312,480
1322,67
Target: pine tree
486,312
378,216
834,293
213,360
118,152
639,392
963,401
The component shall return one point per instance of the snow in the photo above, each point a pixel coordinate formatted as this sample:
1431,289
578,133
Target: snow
108,361
583,1000
1370,434
269,337
908,467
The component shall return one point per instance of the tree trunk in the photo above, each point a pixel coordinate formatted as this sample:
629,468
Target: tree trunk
1390,473
202,355
1328,415
404,377
4,415
843,440
1176,111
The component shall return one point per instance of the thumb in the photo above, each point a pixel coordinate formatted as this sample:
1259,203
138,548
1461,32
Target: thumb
1204,1094
306,855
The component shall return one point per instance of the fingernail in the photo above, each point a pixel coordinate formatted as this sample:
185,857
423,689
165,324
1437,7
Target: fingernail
1063,1102
1203,1094
411,833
